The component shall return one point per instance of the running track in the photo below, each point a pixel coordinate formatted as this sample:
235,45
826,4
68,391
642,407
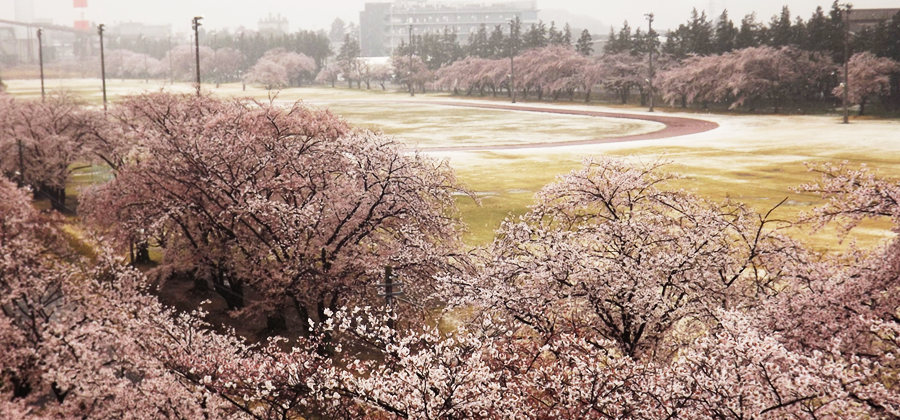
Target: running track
675,126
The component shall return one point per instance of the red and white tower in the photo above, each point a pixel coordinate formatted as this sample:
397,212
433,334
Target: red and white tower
81,20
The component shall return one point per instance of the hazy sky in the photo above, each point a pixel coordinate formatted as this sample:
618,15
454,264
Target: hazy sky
307,14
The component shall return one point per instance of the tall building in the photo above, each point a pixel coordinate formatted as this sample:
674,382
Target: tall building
867,18
274,25
382,26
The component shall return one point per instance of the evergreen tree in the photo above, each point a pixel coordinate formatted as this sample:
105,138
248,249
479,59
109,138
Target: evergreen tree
700,34
725,34
780,31
479,45
816,32
835,36
621,43
611,42
554,36
750,34
536,37
584,46
497,45
567,35
515,38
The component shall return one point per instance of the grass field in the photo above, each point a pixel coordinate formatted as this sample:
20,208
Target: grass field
755,159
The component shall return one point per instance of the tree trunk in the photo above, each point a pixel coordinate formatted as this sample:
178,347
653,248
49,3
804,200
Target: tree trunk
862,106
56,195
231,290
276,321
587,96
142,256
200,283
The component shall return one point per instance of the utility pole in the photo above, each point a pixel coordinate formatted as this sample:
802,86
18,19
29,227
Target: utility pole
102,64
512,55
412,86
651,47
196,25
40,32
846,19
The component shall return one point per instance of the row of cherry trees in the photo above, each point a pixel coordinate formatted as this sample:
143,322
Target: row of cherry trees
740,78
744,77
224,64
276,68
614,296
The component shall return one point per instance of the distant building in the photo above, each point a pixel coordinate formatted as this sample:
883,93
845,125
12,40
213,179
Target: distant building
867,18
383,26
136,30
273,25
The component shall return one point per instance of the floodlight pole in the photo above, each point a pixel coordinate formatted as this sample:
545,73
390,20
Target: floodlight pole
412,86
146,73
102,64
196,25
651,45
171,72
846,99
243,60
512,56
40,32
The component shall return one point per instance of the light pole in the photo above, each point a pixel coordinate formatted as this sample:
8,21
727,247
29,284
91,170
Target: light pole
512,55
846,19
102,64
412,86
40,32
651,47
196,25
146,51
171,72
241,71
216,59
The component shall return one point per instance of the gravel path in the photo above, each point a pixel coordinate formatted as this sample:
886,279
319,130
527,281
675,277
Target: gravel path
675,126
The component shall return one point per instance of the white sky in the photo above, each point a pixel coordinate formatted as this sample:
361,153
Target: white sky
306,14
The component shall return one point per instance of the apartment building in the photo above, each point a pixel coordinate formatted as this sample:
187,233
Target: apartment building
384,25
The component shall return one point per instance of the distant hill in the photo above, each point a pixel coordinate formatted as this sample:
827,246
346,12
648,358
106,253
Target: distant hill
576,21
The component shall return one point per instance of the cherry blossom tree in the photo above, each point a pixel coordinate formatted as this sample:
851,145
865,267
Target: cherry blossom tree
622,73
75,334
297,66
418,74
774,73
329,73
554,69
183,62
869,75
607,253
290,202
267,73
698,78
40,143
381,73
228,61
